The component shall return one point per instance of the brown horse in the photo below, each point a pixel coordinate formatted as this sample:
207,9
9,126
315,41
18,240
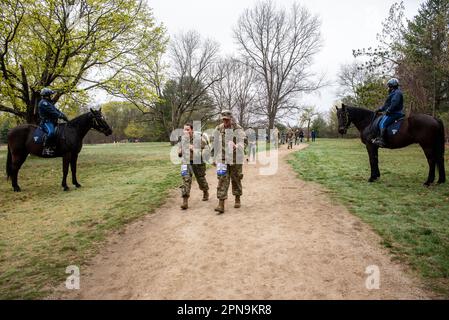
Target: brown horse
423,129
68,145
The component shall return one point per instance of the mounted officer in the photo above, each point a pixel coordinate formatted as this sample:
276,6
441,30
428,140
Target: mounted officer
393,109
49,116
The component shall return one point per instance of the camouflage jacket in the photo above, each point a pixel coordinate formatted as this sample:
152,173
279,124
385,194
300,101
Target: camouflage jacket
196,153
239,139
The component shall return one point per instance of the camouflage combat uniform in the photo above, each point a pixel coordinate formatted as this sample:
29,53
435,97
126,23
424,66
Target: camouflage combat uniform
234,172
290,137
197,170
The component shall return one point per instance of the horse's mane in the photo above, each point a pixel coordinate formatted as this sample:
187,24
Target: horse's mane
359,110
358,113
80,120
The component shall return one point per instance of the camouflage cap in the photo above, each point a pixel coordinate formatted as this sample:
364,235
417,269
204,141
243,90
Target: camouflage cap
226,114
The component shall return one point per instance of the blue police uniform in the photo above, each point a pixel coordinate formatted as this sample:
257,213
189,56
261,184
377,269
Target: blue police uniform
49,115
393,106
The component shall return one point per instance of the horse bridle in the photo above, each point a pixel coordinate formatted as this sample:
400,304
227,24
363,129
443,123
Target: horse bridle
347,123
97,124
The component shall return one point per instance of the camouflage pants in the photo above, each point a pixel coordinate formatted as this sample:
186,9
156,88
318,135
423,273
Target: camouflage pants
199,171
234,175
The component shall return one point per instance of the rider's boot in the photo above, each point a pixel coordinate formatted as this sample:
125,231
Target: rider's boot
205,195
49,149
379,141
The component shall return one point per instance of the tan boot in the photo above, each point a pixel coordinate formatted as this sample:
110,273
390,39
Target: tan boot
220,207
237,202
205,195
185,203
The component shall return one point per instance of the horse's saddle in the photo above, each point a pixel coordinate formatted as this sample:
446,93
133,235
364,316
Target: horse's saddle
39,134
392,129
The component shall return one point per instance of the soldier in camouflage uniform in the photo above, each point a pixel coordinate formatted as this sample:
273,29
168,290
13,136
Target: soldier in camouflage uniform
229,171
290,137
193,168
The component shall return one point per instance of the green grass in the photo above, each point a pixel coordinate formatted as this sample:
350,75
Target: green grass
43,229
412,220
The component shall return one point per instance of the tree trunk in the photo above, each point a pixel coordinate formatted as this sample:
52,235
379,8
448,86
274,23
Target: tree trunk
308,130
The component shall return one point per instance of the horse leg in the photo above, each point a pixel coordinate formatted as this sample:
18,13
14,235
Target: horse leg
65,170
373,161
17,162
430,155
73,163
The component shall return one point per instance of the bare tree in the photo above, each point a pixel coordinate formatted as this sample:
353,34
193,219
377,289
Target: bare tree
307,114
350,77
193,60
182,85
279,45
235,91
224,91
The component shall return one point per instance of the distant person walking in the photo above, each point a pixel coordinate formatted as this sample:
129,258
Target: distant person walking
301,136
313,135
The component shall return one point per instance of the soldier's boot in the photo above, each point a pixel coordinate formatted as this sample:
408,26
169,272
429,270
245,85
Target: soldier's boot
205,195
185,203
237,202
220,207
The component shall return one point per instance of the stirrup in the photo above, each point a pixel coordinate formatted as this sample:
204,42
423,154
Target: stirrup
378,142
47,151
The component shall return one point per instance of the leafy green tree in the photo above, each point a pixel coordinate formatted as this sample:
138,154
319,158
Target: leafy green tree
6,123
184,100
135,130
371,94
306,116
72,46
426,49
416,52
320,126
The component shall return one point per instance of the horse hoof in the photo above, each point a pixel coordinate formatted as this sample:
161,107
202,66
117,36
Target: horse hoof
427,184
441,182
17,189
66,188
372,179
77,185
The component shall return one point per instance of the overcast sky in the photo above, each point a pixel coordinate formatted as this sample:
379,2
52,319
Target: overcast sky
346,25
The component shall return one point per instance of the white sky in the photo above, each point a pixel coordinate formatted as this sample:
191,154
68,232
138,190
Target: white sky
346,25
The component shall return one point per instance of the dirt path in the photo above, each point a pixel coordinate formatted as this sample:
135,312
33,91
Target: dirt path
288,241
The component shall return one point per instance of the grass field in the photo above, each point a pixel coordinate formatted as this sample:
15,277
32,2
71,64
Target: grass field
413,220
43,229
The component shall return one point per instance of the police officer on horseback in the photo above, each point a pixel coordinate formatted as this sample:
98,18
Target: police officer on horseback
49,116
393,108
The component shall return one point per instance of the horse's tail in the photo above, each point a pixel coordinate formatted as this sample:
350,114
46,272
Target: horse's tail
8,164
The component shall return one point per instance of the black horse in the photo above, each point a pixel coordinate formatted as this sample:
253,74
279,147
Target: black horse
423,129
68,145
